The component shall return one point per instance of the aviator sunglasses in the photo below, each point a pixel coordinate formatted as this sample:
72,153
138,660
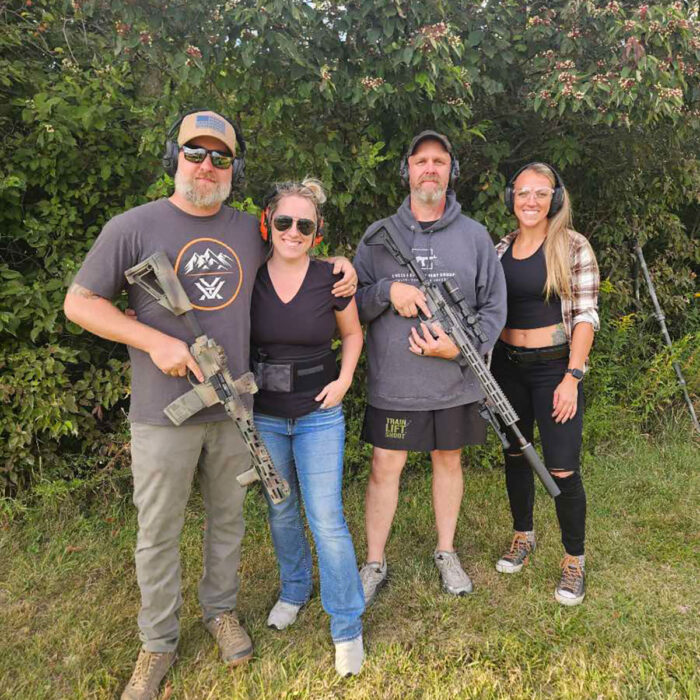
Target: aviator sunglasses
197,154
306,227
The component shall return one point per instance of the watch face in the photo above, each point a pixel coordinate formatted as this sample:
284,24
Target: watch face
576,373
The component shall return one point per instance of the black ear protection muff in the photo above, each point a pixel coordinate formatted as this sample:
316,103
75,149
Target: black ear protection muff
454,163
557,198
172,149
265,224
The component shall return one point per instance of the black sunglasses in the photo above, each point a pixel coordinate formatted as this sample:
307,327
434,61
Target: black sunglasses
306,227
197,154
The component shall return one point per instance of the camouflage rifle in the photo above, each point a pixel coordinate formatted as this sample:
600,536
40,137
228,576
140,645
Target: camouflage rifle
156,276
451,311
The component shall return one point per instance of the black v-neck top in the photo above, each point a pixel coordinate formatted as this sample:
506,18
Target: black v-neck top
301,328
525,282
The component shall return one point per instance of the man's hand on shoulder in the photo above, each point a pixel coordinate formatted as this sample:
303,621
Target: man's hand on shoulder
407,299
347,285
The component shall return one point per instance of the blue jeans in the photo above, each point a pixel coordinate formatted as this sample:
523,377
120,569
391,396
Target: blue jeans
308,453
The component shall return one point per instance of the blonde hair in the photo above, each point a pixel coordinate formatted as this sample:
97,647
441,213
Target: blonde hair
556,244
309,188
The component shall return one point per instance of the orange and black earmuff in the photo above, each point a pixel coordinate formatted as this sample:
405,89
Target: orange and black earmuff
319,231
265,215
264,225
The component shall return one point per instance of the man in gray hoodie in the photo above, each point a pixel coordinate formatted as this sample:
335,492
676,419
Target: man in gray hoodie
421,396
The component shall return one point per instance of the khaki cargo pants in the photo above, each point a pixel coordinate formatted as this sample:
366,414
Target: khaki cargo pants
164,461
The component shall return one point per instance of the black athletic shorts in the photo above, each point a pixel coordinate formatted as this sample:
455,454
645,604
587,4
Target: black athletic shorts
424,431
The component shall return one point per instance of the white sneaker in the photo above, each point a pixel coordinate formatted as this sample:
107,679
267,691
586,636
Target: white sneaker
349,657
282,615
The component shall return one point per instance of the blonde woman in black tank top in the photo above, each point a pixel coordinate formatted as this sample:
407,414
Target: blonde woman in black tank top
541,356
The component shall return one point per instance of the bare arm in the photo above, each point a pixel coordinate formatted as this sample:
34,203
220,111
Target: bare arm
565,399
351,338
99,316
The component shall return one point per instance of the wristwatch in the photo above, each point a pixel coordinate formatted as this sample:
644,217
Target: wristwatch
575,373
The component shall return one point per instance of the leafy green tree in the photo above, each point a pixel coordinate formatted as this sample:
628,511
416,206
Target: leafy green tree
608,92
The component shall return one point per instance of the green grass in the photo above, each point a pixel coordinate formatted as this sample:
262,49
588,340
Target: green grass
68,598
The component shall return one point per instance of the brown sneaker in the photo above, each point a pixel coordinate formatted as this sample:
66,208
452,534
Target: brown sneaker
522,546
149,671
572,585
234,643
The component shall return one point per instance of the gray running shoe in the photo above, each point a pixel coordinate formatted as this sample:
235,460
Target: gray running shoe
373,577
454,578
149,671
282,615
518,555
234,643
572,585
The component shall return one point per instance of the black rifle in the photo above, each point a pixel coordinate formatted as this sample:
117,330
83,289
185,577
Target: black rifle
640,263
443,300
156,276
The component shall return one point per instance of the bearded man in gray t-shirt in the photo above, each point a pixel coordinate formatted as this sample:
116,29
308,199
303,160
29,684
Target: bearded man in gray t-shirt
215,251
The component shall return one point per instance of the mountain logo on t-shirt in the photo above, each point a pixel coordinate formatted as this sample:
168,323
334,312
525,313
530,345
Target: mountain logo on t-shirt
208,262
210,272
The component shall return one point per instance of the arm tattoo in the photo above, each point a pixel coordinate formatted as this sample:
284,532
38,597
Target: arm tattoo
80,291
559,334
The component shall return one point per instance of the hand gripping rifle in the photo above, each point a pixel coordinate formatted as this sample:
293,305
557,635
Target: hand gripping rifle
156,276
449,308
640,263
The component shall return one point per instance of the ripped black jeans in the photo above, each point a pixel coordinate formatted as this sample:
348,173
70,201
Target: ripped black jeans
530,389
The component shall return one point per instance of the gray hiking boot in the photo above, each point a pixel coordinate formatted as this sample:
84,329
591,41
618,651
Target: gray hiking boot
149,671
373,577
572,585
518,555
234,643
454,578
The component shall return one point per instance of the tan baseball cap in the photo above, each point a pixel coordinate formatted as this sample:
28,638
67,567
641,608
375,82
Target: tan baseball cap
207,124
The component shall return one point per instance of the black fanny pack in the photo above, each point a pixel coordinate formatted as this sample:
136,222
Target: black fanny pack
300,374
526,356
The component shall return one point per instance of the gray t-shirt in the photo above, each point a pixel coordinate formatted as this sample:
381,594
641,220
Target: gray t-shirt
215,257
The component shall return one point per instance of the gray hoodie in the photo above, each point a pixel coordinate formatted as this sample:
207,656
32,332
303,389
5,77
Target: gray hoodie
453,247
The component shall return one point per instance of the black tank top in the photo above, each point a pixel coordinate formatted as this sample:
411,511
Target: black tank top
525,281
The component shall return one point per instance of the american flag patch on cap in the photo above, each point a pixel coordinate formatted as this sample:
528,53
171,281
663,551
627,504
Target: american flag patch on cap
206,121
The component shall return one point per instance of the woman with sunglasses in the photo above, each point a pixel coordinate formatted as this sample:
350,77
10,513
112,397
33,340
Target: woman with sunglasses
298,411
552,281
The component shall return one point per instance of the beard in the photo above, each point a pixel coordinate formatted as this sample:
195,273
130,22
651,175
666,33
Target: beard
200,195
428,197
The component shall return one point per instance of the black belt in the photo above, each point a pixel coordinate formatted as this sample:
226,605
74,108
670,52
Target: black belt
526,356
302,374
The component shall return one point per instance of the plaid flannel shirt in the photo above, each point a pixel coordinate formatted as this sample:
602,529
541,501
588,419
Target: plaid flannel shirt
585,281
